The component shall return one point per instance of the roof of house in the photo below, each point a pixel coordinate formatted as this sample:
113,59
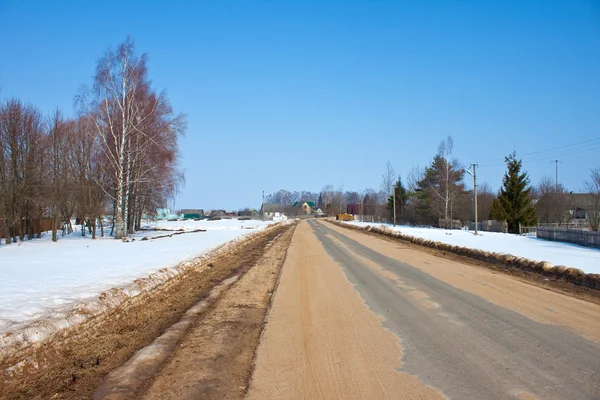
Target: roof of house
192,211
585,201
311,204
219,213
272,207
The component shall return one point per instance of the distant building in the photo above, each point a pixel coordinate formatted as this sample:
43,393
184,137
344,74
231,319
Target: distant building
269,209
247,213
306,207
575,209
217,213
192,213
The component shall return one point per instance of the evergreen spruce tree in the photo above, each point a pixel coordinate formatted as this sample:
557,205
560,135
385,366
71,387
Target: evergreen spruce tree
514,203
401,198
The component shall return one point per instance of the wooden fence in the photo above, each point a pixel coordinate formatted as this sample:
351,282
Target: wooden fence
38,225
449,223
583,238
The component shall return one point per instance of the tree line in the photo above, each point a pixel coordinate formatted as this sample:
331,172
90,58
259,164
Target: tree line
118,155
436,195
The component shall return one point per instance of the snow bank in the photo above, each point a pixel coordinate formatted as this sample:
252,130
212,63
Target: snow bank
571,255
40,279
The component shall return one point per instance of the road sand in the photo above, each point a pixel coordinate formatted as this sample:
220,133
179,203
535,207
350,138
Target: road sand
322,342
359,317
534,302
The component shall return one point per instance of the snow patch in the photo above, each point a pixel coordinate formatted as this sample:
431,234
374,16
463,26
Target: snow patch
46,285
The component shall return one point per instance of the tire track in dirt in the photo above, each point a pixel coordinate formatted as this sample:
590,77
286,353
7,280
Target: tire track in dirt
215,358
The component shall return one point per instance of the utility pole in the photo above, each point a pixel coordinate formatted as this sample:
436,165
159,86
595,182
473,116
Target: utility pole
263,205
475,193
556,175
474,175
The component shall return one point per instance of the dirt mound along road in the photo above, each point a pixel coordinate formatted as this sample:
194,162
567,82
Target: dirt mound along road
72,367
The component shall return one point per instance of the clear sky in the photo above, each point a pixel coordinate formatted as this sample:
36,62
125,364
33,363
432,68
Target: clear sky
296,95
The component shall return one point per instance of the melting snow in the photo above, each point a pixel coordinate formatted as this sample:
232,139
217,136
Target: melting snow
557,253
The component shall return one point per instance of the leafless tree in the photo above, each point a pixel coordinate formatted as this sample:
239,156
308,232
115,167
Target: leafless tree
593,187
92,182
485,198
339,198
59,175
352,197
547,186
133,126
388,179
327,194
414,176
552,205
449,169
21,160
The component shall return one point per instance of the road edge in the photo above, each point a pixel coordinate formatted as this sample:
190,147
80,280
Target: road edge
570,281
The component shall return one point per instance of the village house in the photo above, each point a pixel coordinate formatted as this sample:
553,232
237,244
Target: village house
576,210
306,207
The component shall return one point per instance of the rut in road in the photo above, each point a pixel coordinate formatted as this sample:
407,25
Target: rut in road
462,344
214,358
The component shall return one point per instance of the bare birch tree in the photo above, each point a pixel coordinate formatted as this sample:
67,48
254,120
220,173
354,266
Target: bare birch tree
443,178
133,125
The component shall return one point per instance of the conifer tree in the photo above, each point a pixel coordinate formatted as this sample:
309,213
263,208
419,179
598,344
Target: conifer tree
514,203
401,198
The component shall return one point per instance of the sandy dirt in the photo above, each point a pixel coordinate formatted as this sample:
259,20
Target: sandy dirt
358,317
458,341
322,342
73,365
215,359
534,302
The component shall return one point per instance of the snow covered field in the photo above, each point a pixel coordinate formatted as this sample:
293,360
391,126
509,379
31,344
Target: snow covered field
569,255
40,278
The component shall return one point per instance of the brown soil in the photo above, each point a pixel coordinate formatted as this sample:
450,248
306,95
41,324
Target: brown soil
322,342
214,360
72,367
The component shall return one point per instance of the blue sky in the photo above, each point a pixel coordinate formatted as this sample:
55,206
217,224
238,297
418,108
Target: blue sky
297,95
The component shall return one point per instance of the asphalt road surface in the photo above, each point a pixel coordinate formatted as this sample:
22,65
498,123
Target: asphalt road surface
355,316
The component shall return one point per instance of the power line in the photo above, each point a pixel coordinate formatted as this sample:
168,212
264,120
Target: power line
562,147
575,148
547,157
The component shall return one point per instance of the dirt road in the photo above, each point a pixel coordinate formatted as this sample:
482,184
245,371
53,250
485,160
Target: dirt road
357,317
352,316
